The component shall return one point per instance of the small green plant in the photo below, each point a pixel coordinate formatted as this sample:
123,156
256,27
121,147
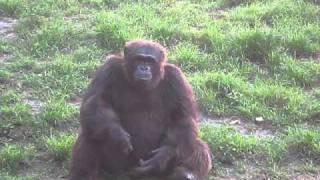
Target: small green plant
27,64
49,8
304,140
4,47
18,114
57,110
10,97
60,146
299,45
11,7
178,22
226,94
53,36
219,93
313,1
233,3
114,30
255,46
189,58
8,176
12,155
225,140
64,74
304,74
213,39
4,76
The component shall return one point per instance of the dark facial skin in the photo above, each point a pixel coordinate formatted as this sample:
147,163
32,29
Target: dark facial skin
144,67
144,64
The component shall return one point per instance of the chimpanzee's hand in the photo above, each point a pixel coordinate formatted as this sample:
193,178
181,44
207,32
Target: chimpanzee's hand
157,163
121,140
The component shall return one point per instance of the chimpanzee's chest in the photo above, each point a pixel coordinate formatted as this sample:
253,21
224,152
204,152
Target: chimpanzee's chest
145,117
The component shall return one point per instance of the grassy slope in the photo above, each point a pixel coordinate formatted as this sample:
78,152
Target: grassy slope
253,59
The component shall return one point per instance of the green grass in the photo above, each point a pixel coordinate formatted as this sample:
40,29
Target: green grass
60,146
190,58
248,58
56,111
54,35
13,110
18,113
228,143
4,76
227,94
11,156
11,7
307,141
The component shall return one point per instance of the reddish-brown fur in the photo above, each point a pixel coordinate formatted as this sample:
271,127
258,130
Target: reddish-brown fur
121,123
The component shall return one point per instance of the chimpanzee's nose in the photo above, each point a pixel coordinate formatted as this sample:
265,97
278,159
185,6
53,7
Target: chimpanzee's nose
144,68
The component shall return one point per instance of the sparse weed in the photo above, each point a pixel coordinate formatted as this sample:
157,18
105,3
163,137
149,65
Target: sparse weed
233,3
11,156
18,113
113,30
11,7
8,176
4,47
26,64
57,110
304,140
60,146
64,74
10,97
51,7
222,94
189,58
4,76
53,36
256,46
226,141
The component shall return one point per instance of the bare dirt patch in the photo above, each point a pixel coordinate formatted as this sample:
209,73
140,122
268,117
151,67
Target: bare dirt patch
217,14
305,177
317,57
34,104
75,101
44,167
4,57
7,31
259,129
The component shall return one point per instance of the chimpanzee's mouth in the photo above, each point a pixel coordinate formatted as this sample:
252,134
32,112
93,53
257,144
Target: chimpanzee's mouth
143,76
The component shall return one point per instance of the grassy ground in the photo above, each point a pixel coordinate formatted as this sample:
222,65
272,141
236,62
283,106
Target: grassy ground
254,66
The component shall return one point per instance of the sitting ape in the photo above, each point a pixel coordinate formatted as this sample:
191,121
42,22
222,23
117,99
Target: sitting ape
139,115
